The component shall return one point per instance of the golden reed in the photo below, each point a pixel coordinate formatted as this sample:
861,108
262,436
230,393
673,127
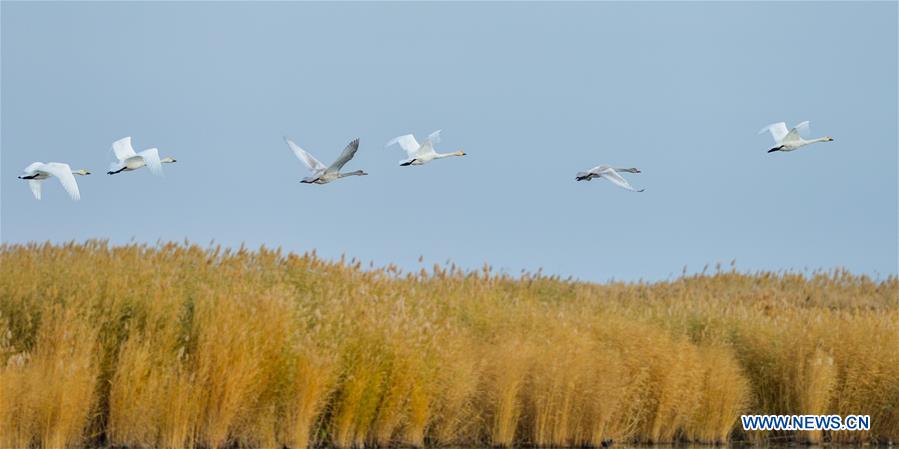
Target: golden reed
179,346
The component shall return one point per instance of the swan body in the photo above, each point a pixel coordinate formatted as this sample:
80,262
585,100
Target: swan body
790,140
37,172
320,173
610,174
420,154
129,160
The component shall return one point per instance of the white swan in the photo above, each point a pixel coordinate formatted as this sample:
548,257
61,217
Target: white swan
37,172
610,174
320,173
421,154
128,160
790,140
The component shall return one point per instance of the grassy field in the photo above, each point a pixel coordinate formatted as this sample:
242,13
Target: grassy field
182,346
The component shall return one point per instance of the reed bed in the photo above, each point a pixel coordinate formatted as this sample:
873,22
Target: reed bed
180,346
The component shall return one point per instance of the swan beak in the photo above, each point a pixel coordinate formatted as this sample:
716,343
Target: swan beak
87,172
830,139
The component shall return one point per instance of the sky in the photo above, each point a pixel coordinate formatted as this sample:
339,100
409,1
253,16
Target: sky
532,92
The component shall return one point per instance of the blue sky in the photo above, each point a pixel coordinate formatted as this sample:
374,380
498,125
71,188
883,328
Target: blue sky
533,92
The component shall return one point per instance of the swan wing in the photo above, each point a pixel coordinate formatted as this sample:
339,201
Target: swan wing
427,148
33,167
311,162
345,156
796,133
590,174
64,173
434,137
151,158
778,131
35,185
407,142
613,177
123,149
116,166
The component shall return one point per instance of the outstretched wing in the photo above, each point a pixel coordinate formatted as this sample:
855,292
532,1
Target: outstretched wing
311,163
616,179
408,143
116,166
151,158
778,131
35,185
428,146
123,149
31,168
797,131
434,137
64,173
345,157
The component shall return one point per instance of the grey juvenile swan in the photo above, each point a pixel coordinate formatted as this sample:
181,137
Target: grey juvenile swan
610,174
320,173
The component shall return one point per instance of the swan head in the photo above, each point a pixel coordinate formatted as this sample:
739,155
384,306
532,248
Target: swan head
168,160
459,153
81,172
828,139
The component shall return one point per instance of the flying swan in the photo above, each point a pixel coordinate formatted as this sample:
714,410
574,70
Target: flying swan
128,160
610,174
320,173
37,172
421,154
790,140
